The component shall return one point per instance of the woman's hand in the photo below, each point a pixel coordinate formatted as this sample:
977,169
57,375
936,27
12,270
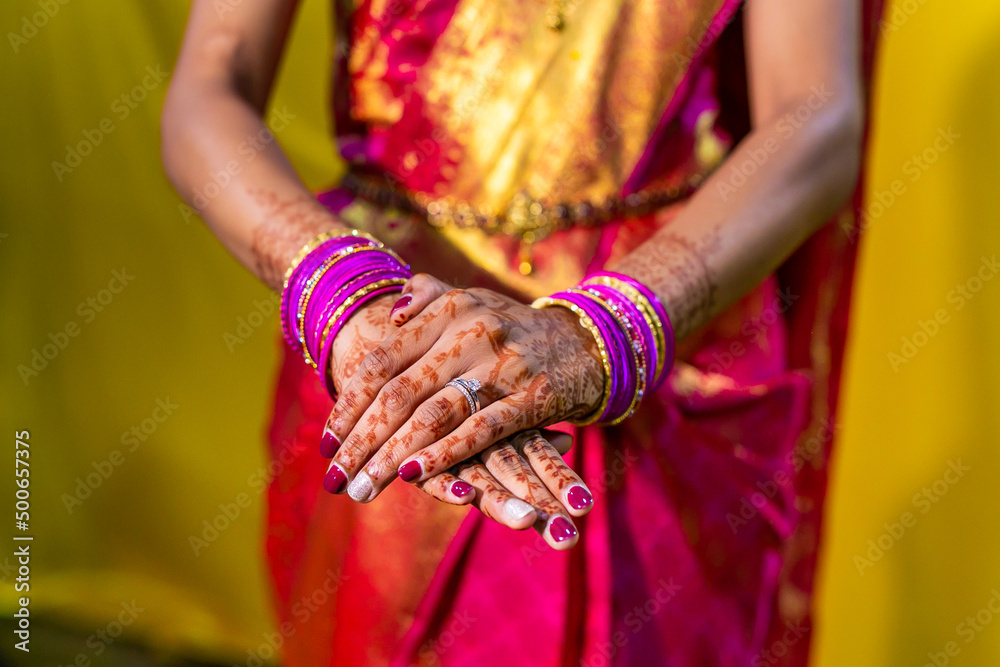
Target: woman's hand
519,482
536,367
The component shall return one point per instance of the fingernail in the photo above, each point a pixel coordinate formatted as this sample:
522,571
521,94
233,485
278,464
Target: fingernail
461,489
360,488
410,470
579,497
517,509
403,302
329,445
561,530
334,480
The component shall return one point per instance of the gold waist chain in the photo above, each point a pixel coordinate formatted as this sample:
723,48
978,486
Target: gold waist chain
524,218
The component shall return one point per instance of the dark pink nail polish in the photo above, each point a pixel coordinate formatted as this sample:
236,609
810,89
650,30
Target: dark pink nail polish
579,498
410,470
403,302
561,530
329,445
335,480
461,489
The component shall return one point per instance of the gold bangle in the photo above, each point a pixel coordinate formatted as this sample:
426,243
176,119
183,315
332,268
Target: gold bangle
322,238
310,286
351,300
639,356
587,323
645,309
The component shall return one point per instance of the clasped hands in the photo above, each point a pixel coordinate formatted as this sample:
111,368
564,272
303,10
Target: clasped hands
396,417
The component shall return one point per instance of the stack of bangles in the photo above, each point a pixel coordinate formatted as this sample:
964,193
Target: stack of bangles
634,338
333,276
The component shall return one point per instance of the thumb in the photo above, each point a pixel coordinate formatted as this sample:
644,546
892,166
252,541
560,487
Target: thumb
418,292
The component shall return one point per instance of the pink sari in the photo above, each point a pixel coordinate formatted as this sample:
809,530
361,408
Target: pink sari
701,548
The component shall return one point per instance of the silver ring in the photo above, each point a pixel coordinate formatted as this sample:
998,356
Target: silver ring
469,389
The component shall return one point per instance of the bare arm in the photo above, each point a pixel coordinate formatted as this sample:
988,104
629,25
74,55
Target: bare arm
803,152
213,120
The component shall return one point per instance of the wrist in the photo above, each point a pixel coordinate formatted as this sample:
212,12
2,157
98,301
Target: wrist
333,277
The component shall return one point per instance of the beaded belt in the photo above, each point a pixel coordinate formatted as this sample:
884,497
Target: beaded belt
525,218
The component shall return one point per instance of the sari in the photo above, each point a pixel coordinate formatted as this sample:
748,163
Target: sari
701,547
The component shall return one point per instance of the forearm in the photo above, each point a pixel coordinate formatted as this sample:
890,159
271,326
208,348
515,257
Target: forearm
212,125
730,237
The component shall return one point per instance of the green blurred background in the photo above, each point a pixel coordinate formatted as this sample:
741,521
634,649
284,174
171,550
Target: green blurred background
150,413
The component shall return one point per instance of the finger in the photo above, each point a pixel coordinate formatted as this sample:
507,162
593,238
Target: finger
328,444
435,418
401,349
393,406
552,470
496,502
494,422
505,463
418,292
448,488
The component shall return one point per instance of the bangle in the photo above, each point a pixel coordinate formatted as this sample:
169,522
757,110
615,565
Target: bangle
337,320
652,307
633,335
618,307
318,241
326,350
587,323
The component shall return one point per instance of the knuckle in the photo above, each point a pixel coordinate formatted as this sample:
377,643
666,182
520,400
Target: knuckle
436,415
490,422
397,394
463,299
347,403
506,458
382,465
377,365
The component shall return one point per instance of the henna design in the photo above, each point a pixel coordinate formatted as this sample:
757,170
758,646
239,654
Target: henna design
677,269
288,225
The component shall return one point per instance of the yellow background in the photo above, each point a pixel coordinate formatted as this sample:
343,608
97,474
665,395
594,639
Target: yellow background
163,337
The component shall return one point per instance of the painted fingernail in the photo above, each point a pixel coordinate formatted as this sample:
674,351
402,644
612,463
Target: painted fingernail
329,445
517,509
410,470
579,497
561,530
403,302
360,488
334,480
461,489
